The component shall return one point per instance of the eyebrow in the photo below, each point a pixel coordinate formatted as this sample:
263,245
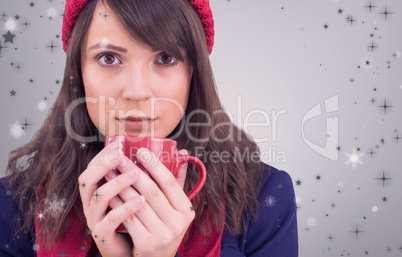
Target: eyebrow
108,46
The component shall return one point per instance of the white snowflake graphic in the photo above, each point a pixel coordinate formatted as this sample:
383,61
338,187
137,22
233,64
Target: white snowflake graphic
83,145
366,63
354,158
35,247
374,209
40,216
10,24
54,206
270,201
51,12
311,222
16,130
42,105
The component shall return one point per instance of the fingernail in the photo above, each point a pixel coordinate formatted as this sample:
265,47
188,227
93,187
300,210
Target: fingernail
145,155
114,145
138,201
111,175
113,155
131,173
124,162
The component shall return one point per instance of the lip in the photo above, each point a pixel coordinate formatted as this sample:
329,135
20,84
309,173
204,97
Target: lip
136,123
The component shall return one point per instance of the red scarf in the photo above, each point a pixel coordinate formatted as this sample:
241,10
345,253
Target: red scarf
71,243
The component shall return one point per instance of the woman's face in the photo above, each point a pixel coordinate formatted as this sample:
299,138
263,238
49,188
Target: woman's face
129,87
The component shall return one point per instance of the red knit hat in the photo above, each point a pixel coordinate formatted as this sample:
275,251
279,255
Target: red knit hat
73,9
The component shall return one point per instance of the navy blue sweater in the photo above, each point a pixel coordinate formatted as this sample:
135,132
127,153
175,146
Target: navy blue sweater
273,234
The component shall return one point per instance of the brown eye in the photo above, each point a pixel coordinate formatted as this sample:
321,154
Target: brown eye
166,59
109,59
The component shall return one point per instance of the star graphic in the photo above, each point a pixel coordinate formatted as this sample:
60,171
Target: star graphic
350,19
318,177
18,67
397,138
386,13
354,158
97,195
357,231
104,15
103,241
340,11
371,153
366,62
370,6
26,24
384,199
383,178
26,124
52,46
12,92
8,37
31,4
385,106
298,182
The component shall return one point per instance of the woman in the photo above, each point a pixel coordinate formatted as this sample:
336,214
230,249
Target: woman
141,67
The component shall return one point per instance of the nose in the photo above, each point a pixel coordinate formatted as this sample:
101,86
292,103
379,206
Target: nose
137,83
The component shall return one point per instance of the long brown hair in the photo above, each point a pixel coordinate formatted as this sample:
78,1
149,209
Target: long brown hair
53,160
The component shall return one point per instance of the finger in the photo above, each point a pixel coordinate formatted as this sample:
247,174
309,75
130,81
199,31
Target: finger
167,183
105,229
102,196
148,216
129,192
181,175
105,160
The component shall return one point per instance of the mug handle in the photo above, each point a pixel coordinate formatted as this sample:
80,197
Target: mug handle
181,159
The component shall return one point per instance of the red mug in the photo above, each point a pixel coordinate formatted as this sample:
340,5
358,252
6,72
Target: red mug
165,151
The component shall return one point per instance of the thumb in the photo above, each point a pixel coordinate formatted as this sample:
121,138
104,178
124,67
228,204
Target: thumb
181,175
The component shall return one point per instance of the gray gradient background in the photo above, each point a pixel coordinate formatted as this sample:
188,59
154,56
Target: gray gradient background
274,55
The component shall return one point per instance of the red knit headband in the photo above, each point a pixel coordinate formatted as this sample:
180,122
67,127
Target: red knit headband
73,8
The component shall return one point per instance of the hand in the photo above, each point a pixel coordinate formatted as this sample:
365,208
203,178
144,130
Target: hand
95,200
158,228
